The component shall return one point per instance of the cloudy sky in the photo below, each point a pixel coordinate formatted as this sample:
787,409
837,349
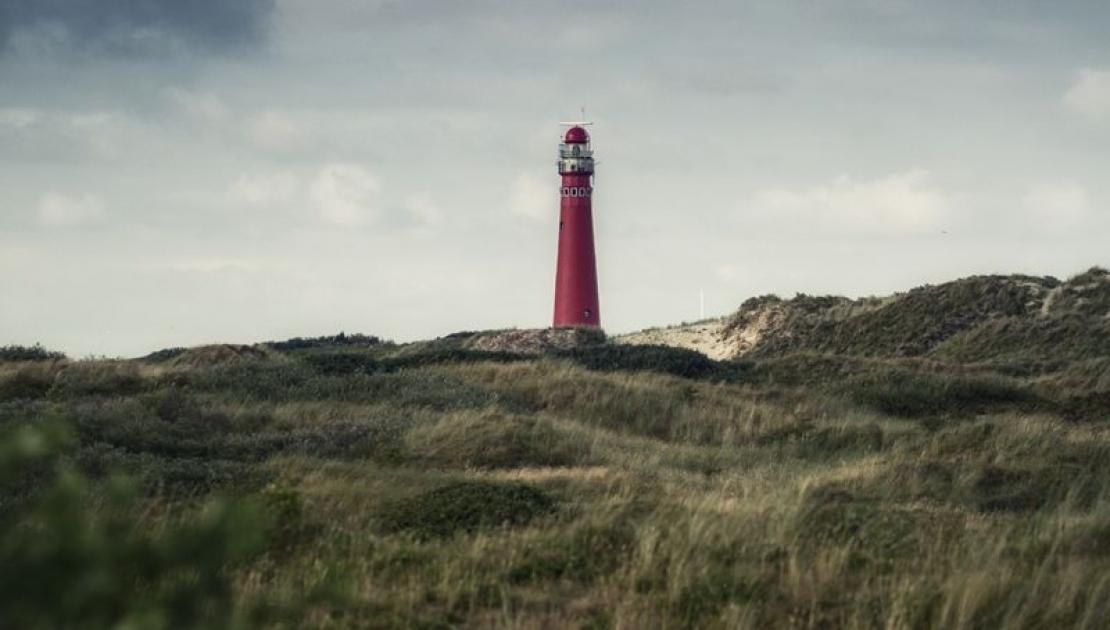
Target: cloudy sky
176,173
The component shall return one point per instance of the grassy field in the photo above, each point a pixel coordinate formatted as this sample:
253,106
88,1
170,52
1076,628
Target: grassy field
348,482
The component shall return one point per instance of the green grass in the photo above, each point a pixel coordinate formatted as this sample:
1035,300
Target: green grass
365,484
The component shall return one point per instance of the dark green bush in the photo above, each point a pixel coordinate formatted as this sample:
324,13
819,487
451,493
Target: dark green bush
28,383
917,395
708,595
459,355
164,475
590,552
29,353
495,441
1028,486
647,358
465,507
342,363
277,382
164,355
98,379
290,524
1085,407
1019,341
876,533
335,341
996,488
189,430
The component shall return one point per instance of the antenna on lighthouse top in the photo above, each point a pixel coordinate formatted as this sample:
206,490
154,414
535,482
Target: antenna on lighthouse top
577,123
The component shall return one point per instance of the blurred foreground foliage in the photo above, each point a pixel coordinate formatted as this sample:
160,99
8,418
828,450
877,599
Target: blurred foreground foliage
78,556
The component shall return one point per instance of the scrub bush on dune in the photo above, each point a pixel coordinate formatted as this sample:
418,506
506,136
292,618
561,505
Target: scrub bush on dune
916,395
465,507
29,353
495,441
663,359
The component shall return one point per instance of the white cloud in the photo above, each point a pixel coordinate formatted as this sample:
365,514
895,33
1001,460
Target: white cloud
274,131
1090,94
19,118
205,107
903,203
68,134
1056,205
61,211
264,189
345,195
424,210
533,198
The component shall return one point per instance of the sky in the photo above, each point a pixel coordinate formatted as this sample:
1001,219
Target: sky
178,173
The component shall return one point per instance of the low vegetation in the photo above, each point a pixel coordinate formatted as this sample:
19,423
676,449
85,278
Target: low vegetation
871,480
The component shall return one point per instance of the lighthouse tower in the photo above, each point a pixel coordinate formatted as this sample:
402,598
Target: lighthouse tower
576,273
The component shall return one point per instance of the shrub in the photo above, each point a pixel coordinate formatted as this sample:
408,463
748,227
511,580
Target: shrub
876,534
453,355
665,359
916,395
290,525
164,355
187,431
807,440
465,507
98,379
490,440
29,353
1026,486
342,363
435,390
27,383
1086,407
1019,341
335,341
345,363
589,552
709,594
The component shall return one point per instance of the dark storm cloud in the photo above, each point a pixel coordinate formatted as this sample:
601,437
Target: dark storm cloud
133,27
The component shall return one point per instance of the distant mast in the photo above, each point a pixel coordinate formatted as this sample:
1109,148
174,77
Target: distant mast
576,302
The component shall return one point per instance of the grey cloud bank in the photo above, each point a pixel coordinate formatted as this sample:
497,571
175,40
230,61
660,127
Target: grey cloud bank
386,167
133,27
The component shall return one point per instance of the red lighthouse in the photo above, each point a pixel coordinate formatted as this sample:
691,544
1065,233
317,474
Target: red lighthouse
576,273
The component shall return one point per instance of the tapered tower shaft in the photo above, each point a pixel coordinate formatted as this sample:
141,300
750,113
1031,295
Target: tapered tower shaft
576,302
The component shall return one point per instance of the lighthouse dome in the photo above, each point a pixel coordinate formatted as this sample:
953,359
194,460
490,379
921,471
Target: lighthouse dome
576,135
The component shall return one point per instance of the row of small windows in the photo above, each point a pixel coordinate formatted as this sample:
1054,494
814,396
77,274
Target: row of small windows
576,191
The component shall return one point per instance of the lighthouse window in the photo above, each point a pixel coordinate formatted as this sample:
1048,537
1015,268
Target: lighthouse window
573,192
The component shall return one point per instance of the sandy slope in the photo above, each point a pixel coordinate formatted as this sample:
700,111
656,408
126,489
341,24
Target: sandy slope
704,336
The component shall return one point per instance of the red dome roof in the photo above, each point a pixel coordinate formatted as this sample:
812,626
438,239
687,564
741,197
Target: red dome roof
576,135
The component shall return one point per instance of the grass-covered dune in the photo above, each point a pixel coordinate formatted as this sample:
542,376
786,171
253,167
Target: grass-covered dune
351,482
